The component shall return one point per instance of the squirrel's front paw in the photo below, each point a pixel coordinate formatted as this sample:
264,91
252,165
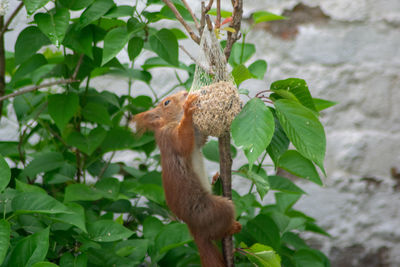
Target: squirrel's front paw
188,106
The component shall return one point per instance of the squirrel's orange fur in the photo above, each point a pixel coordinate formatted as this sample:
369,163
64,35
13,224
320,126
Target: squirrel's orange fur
186,186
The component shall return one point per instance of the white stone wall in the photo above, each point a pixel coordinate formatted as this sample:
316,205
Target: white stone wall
351,56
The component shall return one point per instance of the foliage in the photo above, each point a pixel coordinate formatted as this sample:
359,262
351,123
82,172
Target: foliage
66,202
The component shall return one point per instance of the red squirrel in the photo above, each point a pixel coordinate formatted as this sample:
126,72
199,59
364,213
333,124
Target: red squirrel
186,186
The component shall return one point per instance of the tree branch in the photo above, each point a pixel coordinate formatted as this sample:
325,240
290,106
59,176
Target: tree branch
182,21
33,88
12,16
218,22
78,65
208,7
196,22
225,168
235,24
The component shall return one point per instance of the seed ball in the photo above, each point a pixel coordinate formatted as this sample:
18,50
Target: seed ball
217,105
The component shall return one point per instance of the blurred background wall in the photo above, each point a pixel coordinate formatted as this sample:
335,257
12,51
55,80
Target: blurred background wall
348,51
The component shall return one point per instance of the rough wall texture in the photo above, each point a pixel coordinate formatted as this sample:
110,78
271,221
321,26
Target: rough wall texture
347,51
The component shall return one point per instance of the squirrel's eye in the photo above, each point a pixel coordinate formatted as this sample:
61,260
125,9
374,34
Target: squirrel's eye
167,102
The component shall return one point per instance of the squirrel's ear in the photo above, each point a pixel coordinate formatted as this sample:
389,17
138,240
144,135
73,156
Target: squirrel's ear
147,121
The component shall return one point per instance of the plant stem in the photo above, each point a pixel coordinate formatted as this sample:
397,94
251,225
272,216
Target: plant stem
5,26
33,88
225,170
182,21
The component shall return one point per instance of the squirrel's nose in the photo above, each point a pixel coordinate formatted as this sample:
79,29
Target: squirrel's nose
185,94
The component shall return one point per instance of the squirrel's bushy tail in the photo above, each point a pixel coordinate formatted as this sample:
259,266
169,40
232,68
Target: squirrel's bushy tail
209,254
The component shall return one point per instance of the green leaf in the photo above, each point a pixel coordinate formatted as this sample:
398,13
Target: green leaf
240,73
241,53
109,187
178,33
29,41
23,187
136,249
114,41
44,264
224,13
279,143
41,72
44,162
118,138
30,249
293,240
263,229
321,104
264,16
165,45
33,5
135,46
258,69
134,74
76,4
97,9
5,174
252,129
303,129
68,260
9,148
309,258
312,227
260,182
37,202
263,256
54,26
298,88
78,192
167,13
5,232
87,144
211,151
79,40
76,216
62,107
171,236
120,11
156,62
285,201
283,184
152,192
96,113
6,199
293,162
151,227
27,67
107,231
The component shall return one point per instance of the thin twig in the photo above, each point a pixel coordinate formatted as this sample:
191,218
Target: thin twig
182,21
78,65
206,69
22,136
208,7
235,24
9,20
196,22
262,92
209,23
218,22
102,171
33,88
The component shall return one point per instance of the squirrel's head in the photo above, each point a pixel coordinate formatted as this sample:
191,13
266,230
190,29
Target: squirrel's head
169,110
